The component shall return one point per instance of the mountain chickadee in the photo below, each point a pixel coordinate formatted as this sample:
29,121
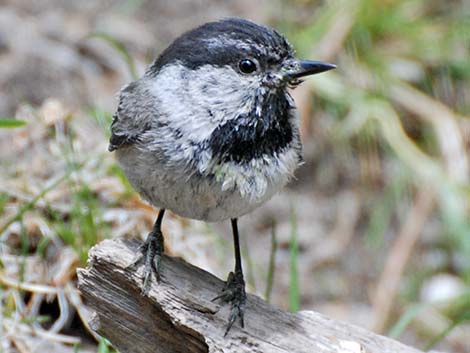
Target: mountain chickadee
209,132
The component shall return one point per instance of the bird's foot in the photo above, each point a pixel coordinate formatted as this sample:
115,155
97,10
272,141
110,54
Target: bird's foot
151,253
234,293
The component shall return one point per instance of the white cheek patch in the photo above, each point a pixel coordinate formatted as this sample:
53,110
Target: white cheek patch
204,99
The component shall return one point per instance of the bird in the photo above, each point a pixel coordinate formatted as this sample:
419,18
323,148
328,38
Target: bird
210,132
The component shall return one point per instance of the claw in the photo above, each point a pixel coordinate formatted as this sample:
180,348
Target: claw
234,293
226,292
151,252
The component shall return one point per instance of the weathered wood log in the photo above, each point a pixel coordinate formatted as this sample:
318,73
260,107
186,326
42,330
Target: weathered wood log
177,314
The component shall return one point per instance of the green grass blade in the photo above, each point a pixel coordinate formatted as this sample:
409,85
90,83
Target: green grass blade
102,118
29,205
6,123
446,331
121,49
294,292
271,265
403,322
103,346
458,311
249,265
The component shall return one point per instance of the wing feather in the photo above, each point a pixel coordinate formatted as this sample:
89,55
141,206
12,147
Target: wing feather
126,127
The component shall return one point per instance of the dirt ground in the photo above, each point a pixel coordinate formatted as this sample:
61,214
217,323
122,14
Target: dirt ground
51,49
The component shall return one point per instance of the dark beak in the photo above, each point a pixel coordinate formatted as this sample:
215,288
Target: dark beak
310,67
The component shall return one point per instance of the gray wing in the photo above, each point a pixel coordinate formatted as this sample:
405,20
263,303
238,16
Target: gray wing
119,136
128,125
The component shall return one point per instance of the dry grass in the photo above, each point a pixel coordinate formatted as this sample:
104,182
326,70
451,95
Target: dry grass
380,213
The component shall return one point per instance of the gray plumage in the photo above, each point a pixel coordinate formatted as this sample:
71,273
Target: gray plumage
210,133
163,126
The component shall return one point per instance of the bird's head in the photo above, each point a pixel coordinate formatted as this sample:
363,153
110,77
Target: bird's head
233,65
222,87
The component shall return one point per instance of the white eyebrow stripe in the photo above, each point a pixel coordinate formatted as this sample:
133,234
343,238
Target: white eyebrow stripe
223,41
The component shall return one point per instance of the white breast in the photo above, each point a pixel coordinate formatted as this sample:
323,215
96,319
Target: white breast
232,192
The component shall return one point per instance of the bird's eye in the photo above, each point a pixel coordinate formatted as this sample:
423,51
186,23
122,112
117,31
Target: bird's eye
247,66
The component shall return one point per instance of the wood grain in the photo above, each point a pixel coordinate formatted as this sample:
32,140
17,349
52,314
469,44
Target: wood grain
177,314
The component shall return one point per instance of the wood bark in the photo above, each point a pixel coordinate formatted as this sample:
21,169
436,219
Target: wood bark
177,314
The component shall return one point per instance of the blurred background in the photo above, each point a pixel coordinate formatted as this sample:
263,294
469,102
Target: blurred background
375,230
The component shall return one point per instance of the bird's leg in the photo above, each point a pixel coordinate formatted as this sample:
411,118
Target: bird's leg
151,252
234,289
